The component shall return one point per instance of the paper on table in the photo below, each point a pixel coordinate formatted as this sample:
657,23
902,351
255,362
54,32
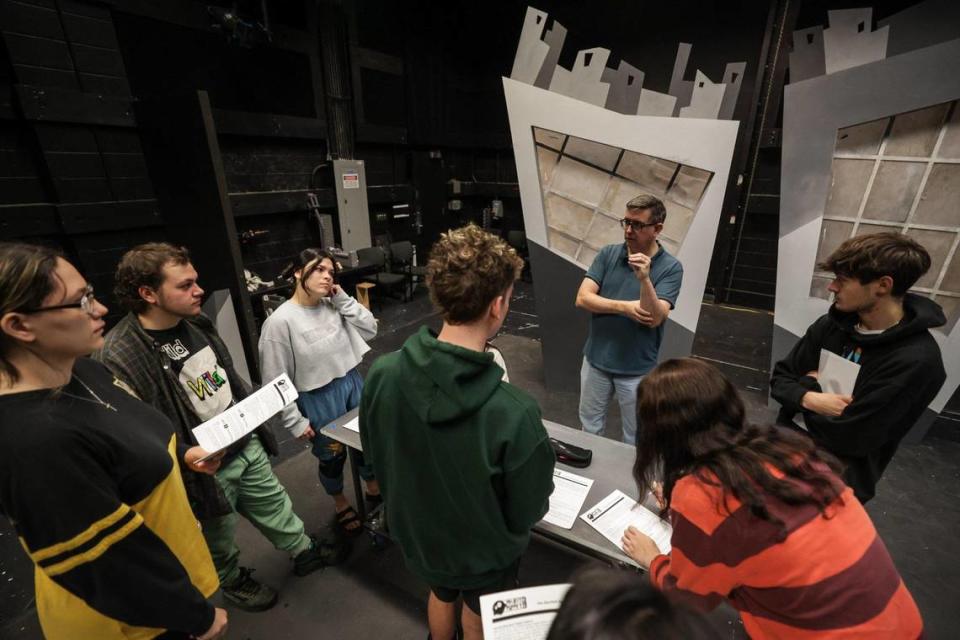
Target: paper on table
229,426
617,511
353,424
569,492
521,614
837,374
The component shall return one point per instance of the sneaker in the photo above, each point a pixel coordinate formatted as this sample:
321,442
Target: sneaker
248,594
320,554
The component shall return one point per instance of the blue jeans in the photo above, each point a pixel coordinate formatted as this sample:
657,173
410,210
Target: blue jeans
596,388
321,407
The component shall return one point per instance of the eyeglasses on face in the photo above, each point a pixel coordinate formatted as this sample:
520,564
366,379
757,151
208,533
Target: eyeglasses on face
636,225
86,303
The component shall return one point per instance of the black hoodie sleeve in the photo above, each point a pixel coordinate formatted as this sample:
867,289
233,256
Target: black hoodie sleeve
884,408
790,381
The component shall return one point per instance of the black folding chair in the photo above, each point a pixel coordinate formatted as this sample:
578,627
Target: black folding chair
401,257
382,278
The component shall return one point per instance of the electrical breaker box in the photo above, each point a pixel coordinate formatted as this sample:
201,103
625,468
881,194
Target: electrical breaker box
353,211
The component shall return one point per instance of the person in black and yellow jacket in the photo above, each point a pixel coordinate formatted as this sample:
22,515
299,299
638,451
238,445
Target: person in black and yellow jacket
99,506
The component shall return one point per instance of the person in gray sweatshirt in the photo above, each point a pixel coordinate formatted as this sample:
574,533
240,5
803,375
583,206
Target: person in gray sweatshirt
318,337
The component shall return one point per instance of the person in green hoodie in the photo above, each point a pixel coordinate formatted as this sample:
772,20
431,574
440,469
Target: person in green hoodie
875,323
464,462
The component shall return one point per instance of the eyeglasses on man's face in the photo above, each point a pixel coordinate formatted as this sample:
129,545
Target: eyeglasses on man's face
636,225
86,303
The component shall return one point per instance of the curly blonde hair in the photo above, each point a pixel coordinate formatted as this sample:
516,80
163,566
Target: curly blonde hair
468,268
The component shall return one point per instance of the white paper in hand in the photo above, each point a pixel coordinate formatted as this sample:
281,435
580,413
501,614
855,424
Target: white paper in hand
836,374
617,511
229,426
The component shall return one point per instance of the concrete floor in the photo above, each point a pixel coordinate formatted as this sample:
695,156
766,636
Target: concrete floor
372,595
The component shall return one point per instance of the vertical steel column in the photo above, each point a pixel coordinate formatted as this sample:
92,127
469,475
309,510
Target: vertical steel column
335,60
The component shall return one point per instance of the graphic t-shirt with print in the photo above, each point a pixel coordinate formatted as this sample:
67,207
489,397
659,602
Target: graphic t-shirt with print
195,364
203,379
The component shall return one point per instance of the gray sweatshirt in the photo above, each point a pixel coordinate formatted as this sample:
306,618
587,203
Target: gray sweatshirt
314,346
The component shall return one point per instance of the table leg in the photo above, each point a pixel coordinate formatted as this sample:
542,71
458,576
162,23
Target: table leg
357,483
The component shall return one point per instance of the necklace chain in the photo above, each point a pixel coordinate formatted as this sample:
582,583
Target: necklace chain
96,399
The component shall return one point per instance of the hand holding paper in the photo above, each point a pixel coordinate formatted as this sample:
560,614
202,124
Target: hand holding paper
615,513
202,461
229,426
639,546
837,375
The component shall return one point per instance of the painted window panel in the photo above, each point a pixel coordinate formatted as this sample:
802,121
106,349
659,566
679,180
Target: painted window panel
583,204
549,138
653,173
604,230
940,203
620,193
586,255
579,182
950,144
951,279
688,186
850,179
938,244
546,161
914,133
567,216
832,235
894,189
563,244
862,139
594,153
887,190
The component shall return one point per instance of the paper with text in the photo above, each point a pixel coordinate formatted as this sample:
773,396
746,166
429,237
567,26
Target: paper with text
837,374
521,614
617,511
569,492
229,426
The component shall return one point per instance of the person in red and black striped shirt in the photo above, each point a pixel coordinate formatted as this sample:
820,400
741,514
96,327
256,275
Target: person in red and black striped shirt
760,518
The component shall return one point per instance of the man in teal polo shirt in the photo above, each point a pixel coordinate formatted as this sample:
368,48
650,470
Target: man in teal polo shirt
629,290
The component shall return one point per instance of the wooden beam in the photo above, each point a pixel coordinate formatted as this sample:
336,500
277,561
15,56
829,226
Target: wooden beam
193,15
23,220
494,189
109,216
7,111
42,104
386,194
183,159
267,202
380,133
370,59
272,125
264,202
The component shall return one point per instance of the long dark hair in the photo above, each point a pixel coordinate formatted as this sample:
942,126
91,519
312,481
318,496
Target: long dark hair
308,261
694,422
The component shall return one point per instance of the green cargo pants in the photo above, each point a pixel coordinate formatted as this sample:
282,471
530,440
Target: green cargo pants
254,492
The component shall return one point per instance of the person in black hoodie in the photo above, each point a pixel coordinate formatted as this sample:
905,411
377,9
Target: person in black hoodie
875,323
